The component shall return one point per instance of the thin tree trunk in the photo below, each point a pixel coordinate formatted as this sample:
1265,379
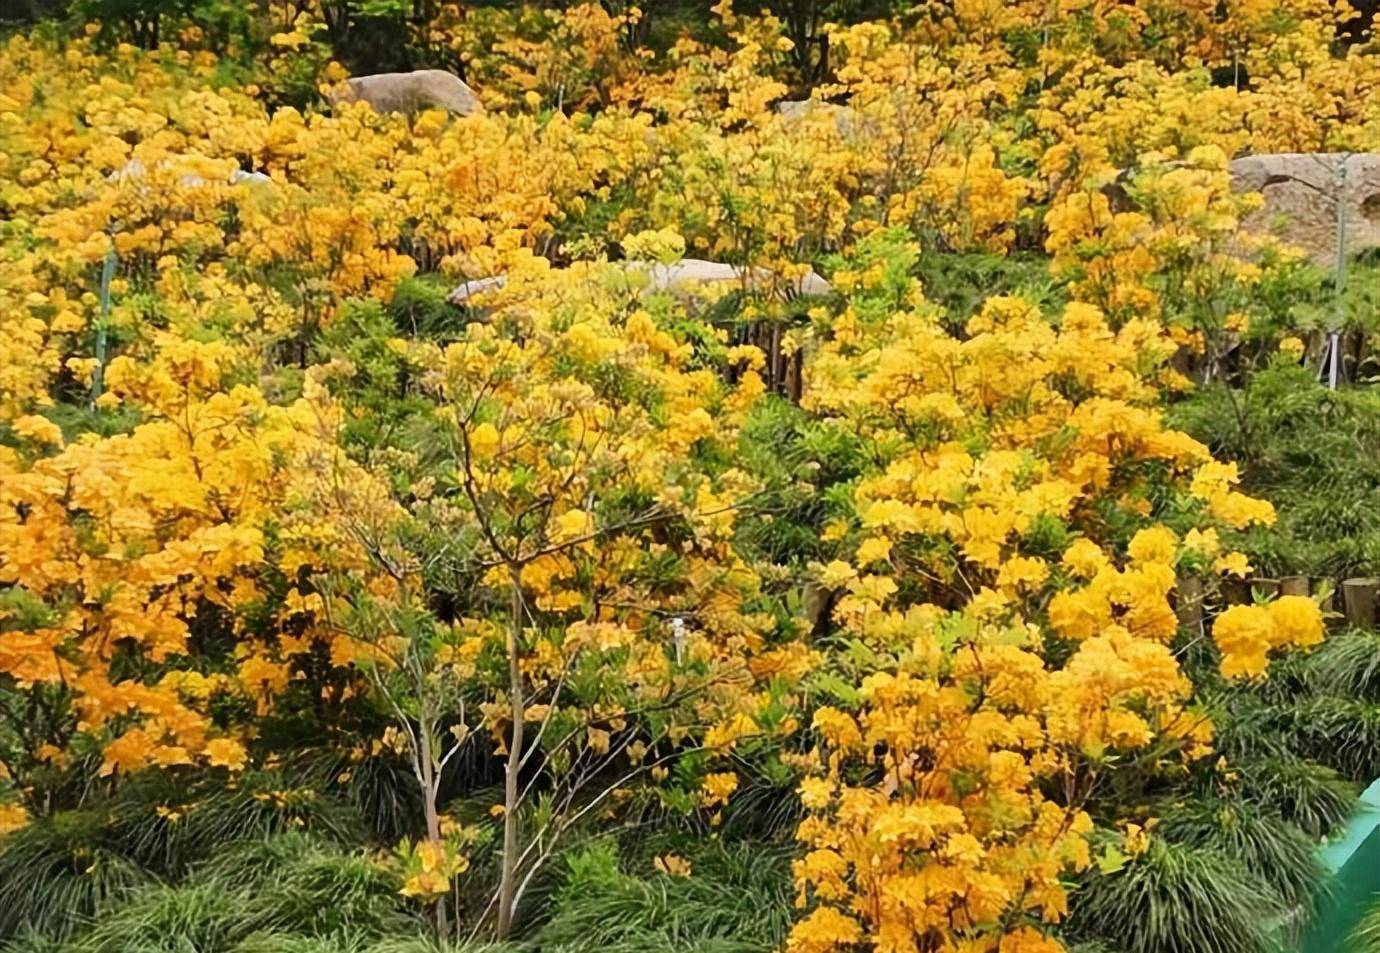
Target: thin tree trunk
508,877
430,792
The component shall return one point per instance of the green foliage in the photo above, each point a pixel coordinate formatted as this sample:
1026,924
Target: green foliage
169,919
1292,747
376,383
295,893
1304,298
382,790
423,944
1178,897
291,884
1313,452
736,900
64,868
960,283
206,817
29,11
313,886
1322,709
1342,731
1334,716
1366,937
894,253
1313,796
1349,665
766,805
141,21
1278,851
421,308
61,869
796,460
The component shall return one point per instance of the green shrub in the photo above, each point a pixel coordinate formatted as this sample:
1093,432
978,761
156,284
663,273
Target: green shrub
421,307
1265,843
1175,898
1366,937
59,870
1313,452
736,900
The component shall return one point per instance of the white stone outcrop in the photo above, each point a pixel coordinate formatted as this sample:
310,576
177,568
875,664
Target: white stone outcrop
134,171
683,273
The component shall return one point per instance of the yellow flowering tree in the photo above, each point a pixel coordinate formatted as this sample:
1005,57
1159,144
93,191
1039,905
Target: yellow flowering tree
556,580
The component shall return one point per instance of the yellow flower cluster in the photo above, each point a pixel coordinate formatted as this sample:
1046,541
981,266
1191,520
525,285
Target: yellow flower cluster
1247,634
145,155
427,866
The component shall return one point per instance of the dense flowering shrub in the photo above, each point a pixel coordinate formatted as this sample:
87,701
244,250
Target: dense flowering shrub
1005,597
138,567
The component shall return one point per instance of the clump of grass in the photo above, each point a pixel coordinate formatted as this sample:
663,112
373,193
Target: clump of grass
59,870
1366,937
1177,897
171,919
207,817
426,944
350,943
1349,665
314,887
734,901
1263,841
1314,797
1344,732
289,885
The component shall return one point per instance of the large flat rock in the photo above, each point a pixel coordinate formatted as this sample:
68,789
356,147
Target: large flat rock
1303,192
687,271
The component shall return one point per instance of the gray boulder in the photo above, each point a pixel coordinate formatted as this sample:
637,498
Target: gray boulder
410,92
794,110
1303,191
470,289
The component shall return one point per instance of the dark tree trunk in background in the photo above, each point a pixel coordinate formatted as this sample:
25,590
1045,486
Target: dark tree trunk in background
1359,28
